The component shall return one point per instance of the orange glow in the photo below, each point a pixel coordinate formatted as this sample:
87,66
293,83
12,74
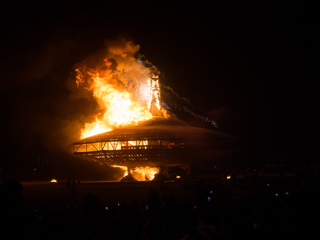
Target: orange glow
94,128
54,181
140,173
125,89
145,173
123,168
154,104
228,177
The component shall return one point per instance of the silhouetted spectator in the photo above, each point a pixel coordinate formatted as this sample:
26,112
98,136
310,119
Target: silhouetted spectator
153,228
68,184
11,210
234,179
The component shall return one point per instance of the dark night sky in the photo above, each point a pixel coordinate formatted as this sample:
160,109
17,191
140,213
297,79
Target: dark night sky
247,66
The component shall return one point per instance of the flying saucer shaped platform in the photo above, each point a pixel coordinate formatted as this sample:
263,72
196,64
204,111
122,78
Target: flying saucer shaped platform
157,142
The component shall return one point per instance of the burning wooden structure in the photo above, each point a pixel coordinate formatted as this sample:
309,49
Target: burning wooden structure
157,142
132,130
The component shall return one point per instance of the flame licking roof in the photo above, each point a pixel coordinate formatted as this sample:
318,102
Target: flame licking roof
157,142
156,128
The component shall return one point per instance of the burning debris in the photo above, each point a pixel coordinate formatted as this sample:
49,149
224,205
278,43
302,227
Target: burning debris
139,173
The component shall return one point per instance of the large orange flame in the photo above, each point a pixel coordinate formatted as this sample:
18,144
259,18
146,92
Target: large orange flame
121,86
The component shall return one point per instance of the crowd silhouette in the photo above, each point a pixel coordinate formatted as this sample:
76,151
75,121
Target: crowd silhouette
277,208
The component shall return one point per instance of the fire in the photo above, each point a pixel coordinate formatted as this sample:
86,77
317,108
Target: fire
122,168
154,102
140,173
125,89
94,128
54,180
145,173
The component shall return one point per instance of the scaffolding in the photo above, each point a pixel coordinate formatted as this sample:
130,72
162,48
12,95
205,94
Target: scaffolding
152,152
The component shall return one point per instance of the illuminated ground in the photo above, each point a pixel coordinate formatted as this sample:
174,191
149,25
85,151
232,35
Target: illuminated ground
48,194
53,194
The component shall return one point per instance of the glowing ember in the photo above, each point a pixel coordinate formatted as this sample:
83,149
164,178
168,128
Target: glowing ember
54,181
125,89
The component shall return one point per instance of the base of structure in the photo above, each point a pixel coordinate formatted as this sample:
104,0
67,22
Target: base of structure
128,178
159,177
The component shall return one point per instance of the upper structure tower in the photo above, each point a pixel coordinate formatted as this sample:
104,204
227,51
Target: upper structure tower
155,98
